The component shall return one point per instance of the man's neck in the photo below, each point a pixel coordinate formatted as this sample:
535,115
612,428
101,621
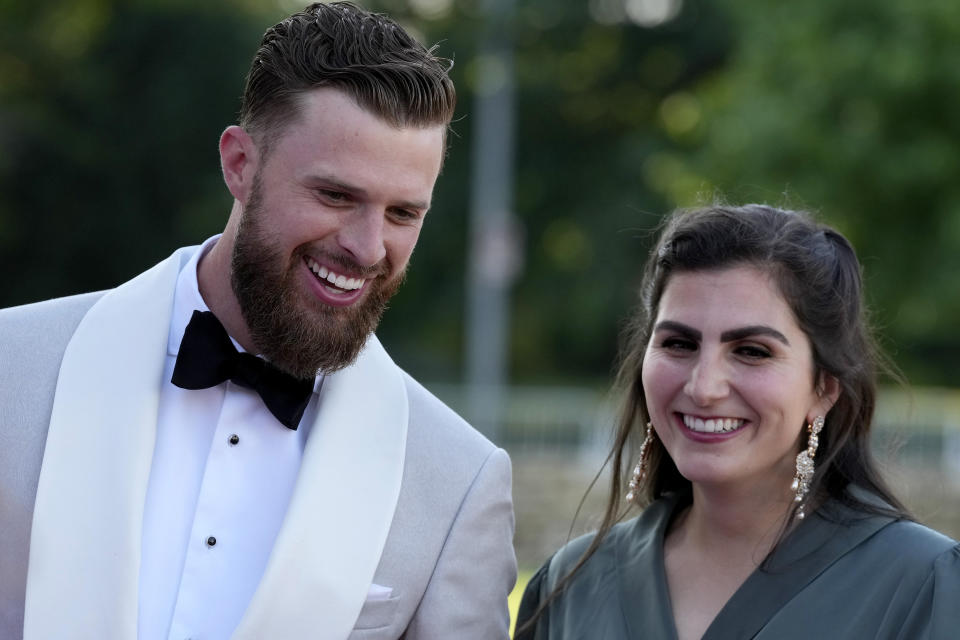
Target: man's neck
213,280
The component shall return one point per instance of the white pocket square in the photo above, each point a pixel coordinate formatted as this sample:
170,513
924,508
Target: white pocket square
378,592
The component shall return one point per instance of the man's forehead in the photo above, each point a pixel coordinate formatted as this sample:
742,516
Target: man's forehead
318,101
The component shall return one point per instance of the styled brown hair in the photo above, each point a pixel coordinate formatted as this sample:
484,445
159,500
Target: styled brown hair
366,55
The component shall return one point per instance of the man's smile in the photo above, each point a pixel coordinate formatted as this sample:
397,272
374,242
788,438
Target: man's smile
337,280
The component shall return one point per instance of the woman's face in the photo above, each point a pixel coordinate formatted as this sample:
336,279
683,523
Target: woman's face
728,377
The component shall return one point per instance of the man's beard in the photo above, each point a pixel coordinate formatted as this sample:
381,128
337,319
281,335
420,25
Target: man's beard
297,333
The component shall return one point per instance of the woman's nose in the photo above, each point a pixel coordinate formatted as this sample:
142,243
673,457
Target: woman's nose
708,381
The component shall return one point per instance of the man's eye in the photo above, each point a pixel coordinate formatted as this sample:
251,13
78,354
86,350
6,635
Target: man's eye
405,214
332,196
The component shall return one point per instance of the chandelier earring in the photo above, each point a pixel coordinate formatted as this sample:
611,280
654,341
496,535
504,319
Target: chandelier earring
640,471
805,469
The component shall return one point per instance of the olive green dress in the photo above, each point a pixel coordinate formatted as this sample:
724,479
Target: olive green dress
839,574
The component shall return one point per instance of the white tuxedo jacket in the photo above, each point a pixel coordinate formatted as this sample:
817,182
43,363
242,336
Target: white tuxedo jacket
395,489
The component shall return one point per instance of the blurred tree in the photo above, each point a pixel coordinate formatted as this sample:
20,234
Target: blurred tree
590,81
847,108
110,113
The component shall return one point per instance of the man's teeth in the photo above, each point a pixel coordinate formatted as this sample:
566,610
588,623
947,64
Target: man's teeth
337,280
713,425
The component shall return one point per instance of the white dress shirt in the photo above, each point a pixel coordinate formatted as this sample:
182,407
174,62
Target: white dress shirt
222,475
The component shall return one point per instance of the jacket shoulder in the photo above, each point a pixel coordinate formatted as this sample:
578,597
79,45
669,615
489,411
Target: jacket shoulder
57,315
35,335
431,419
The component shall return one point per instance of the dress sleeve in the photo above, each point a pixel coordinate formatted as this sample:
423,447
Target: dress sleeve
532,597
935,614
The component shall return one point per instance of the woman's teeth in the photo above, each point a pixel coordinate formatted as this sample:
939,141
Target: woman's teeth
712,425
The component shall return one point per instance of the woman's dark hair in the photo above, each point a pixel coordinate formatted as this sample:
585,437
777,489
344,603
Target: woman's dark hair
366,55
817,272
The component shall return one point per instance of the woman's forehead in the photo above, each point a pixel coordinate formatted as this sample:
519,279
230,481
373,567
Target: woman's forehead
738,295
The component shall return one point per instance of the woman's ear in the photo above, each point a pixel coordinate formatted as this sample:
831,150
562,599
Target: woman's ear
828,392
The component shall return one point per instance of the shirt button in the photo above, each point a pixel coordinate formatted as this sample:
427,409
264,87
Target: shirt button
211,541
234,439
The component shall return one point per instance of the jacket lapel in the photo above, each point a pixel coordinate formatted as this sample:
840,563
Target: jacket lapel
85,541
342,506
83,574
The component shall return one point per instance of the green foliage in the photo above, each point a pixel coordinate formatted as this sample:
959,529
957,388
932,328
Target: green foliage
849,108
110,114
110,111
588,101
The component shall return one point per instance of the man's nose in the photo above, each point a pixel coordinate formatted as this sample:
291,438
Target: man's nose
362,236
709,380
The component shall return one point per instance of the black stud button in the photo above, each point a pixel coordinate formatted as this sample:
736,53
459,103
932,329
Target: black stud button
234,439
211,541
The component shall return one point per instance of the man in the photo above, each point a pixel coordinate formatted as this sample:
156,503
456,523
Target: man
159,481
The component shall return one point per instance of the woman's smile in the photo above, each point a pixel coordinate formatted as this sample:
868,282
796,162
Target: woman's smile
712,425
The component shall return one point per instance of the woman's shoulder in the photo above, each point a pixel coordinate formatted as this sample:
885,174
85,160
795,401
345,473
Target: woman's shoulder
649,525
592,586
907,541
908,561
926,565
567,556
913,544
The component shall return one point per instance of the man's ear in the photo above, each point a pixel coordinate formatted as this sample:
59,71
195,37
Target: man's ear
239,160
828,392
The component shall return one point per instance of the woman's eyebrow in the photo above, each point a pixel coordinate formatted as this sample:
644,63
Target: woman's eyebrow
755,330
678,327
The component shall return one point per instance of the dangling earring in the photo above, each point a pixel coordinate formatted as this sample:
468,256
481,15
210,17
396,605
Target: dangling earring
801,481
640,471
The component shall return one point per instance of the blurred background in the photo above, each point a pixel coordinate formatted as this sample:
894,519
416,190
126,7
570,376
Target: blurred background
580,123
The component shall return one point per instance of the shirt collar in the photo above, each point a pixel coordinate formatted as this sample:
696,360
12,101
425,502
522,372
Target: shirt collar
187,298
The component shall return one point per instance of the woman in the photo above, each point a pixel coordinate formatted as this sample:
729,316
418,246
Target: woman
750,378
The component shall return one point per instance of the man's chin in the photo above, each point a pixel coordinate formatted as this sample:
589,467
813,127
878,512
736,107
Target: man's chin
319,339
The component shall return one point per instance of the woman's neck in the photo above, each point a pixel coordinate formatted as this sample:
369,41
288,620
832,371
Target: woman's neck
714,545
733,523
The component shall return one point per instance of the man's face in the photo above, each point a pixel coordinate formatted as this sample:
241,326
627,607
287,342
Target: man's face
327,231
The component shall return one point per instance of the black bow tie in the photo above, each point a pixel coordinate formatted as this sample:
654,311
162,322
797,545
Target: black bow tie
207,358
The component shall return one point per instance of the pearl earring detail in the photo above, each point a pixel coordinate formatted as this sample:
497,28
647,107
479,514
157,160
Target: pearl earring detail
640,471
801,481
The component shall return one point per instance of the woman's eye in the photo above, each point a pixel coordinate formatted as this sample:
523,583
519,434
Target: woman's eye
678,344
753,352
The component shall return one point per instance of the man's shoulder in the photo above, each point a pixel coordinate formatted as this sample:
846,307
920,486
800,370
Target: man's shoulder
430,413
443,450
57,318
47,319
33,338
53,305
